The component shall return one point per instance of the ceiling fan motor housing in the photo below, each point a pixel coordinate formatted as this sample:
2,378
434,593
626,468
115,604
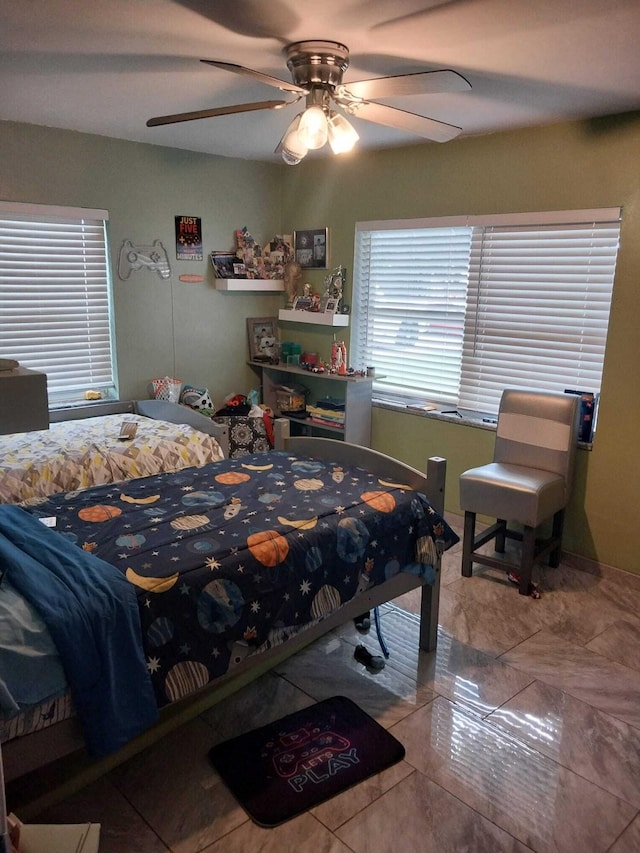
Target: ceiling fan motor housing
314,63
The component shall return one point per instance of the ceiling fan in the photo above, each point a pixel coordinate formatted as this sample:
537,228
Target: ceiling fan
317,68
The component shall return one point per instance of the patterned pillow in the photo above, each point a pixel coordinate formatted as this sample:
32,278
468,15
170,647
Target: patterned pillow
247,434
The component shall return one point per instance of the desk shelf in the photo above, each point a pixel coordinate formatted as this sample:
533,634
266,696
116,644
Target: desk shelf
355,390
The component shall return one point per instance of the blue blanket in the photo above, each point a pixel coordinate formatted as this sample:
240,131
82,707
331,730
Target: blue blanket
92,613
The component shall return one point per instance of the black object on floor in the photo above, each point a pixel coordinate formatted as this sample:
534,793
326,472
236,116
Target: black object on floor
372,662
280,770
363,622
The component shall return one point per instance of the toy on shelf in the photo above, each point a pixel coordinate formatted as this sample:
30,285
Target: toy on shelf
339,358
292,276
334,285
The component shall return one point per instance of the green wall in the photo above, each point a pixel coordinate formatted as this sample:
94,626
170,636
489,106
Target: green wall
574,165
163,327
199,334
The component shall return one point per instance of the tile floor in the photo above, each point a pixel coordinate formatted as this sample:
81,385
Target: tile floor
522,732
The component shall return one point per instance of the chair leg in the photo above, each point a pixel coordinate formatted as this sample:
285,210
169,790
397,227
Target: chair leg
501,535
526,565
556,532
467,543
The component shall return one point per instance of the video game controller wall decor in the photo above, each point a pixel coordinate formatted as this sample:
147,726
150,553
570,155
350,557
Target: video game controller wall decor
134,258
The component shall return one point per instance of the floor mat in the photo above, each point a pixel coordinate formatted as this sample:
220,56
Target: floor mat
280,770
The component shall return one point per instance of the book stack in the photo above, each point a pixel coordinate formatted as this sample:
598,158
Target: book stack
327,412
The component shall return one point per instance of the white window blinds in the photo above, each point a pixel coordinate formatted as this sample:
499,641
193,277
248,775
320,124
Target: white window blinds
55,297
456,314
410,307
538,309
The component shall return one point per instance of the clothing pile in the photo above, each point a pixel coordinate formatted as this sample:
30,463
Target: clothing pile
327,412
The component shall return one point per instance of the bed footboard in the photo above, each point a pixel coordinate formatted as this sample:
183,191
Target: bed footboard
430,485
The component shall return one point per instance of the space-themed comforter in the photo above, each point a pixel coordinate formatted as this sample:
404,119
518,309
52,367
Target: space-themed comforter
238,556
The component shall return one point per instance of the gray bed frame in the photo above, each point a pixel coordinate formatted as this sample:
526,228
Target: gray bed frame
27,753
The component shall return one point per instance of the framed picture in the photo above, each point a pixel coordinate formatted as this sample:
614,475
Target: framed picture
302,303
262,333
311,248
329,305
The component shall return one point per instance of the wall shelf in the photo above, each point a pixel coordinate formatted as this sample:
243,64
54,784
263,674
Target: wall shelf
315,317
301,371
255,284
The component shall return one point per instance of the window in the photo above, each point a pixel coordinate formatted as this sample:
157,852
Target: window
455,310
55,297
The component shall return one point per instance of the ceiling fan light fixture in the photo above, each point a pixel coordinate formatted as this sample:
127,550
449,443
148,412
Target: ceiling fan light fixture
291,147
290,158
342,134
313,130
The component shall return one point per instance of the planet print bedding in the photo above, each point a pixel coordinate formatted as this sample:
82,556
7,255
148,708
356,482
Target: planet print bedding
233,558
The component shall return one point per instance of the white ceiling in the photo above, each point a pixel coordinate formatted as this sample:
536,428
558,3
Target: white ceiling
106,67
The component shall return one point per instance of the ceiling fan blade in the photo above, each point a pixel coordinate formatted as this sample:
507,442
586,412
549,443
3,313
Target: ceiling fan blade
429,128
257,75
420,83
252,18
217,111
433,8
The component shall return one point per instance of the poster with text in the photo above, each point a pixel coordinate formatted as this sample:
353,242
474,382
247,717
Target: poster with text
189,238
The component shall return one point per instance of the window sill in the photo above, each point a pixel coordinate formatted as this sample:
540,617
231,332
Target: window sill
465,417
481,420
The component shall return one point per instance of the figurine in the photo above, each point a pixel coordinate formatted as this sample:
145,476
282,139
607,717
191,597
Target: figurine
334,284
292,276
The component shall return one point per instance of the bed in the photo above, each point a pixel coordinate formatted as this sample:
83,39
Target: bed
231,565
84,448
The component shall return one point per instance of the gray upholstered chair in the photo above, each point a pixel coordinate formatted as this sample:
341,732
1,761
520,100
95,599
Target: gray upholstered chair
528,482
